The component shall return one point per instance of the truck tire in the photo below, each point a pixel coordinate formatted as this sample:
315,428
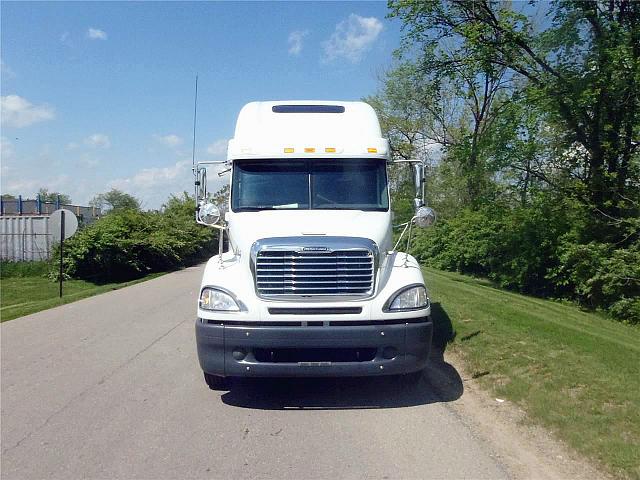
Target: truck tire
216,382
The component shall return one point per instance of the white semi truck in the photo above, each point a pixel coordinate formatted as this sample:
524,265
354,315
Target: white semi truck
310,283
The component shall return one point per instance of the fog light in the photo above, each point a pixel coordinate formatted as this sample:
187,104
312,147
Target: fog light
239,354
390,352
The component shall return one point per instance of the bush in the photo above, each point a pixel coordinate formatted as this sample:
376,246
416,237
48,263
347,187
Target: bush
463,243
513,247
536,250
601,276
128,244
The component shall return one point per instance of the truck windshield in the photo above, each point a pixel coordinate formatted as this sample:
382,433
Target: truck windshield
322,184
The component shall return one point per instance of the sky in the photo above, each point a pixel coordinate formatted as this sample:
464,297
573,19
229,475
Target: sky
99,95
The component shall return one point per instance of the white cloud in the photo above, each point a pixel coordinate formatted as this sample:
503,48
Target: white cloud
155,177
7,72
96,34
18,167
19,112
352,38
154,185
7,152
72,146
27,186
295,41
170,140
98,140
5,171
218,148
88,161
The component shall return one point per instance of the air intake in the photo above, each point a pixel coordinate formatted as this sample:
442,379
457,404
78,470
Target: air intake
307,109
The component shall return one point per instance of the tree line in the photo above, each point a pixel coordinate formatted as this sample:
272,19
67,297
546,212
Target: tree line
114,199
527,116
128,242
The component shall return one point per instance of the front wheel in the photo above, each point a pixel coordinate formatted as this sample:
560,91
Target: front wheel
216,382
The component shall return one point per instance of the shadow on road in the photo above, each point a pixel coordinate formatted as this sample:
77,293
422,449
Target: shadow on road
440,382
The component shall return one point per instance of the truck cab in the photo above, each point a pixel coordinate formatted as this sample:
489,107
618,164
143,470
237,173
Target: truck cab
310,283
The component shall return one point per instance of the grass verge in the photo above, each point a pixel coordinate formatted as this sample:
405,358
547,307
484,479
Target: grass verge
575,373
24,289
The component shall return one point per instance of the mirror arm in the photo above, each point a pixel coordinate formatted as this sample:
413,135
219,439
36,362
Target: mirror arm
212,162
393,162
216,226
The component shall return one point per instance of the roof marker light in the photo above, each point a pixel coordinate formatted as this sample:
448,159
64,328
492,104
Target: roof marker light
372,150
288,150
330,150
309,150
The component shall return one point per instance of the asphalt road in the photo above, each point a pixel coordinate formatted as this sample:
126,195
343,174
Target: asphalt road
110,387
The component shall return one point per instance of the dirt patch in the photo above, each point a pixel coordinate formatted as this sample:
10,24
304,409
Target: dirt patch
525,450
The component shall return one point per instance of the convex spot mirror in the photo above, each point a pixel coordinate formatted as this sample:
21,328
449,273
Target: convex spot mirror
209,213
425,217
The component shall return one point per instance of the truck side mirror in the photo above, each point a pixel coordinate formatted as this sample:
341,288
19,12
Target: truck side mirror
425,216
201,185
418,180
207,213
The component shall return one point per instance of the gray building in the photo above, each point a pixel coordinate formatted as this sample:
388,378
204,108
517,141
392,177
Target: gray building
25,234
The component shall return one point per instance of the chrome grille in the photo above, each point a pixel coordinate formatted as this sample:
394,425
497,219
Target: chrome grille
296,272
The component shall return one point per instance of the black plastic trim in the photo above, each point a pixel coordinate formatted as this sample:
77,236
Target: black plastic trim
225,350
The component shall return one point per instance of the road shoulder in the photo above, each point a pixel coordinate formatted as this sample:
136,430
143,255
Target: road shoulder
525,449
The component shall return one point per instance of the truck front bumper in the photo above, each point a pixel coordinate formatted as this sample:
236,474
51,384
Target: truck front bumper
332,350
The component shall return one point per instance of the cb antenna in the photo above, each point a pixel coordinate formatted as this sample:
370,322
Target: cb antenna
195,115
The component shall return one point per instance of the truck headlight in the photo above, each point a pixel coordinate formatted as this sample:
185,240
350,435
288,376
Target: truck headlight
413,297
217,300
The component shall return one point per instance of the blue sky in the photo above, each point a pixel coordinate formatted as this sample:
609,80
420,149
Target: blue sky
100,95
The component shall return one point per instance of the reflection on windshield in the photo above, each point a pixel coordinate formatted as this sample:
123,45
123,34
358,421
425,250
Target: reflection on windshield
345,184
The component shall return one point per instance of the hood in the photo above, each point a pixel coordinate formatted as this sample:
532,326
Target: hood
247,227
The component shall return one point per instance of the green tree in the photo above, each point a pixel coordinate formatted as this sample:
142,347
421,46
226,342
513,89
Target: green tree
52,197
403,122
114,200
537,185
446,119
582,70
221,197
